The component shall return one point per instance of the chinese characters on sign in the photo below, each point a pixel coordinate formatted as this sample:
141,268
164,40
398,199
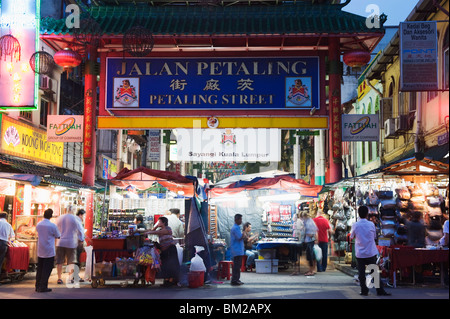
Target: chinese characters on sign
220,83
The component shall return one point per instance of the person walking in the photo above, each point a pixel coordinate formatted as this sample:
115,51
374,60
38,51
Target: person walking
324,232
72,234
310,238
237,250
364,233
47,234
80,247
6,235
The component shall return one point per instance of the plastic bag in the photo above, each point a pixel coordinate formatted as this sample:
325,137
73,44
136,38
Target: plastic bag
89,263
144,256
317,252
197,263
180,253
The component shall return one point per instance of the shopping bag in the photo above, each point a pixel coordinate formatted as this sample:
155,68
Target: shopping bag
317,252
89,262
197,263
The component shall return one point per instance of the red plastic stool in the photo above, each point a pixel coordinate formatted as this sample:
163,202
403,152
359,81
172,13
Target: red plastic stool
223,271
244,264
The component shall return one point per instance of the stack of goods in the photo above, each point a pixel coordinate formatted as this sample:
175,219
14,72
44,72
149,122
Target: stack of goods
426,199
125,267
339,224
387,210
16,243
433,215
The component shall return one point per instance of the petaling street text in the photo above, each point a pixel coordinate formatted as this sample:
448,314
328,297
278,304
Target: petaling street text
212,99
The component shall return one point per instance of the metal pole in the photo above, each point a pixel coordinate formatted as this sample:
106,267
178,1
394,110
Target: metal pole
104,205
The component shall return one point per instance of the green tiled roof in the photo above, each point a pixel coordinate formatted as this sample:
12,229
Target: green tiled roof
285,18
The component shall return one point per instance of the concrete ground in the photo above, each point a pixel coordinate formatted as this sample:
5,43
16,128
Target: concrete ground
332,284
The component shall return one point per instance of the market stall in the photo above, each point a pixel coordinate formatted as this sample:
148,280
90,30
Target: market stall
271,206
392,194
115,246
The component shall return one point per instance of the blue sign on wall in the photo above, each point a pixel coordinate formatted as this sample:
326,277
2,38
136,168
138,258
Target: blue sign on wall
212,83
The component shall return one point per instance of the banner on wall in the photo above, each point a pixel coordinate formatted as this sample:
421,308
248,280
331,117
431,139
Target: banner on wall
229,145
212,83
65,128
418,56
360,128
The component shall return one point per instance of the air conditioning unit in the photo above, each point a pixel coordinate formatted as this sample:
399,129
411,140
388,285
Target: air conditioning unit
402,124
45,83
389,128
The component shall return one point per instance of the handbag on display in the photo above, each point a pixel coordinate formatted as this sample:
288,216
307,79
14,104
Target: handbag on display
415,191
416,205
403,193
434,211
372,199
388,203
402,204
385,193
387,212
434,201
434,234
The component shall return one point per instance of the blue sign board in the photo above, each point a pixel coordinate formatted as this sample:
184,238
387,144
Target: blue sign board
212,83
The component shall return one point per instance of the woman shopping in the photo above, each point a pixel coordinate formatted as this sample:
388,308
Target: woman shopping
170,266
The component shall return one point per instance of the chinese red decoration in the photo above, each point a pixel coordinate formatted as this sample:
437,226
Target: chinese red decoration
356,58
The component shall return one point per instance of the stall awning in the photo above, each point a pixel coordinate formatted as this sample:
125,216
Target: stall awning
143,178
285,183
46,175
415,166
33,179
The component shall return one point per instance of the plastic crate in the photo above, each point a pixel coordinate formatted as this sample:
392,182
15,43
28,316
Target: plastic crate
266,266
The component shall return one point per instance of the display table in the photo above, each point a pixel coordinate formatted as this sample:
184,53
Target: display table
295,248
407,257
109,249
17,258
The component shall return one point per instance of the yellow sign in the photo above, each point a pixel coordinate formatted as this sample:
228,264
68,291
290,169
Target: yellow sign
22,140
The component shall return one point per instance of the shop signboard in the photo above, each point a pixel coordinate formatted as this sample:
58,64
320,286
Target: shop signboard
109,167
418,56
19,26
136,84
65,128
154,146
229,145
360,128
25,141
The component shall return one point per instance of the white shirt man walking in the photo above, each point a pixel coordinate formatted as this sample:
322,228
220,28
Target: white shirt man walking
47,235
364,233
72,233
6,235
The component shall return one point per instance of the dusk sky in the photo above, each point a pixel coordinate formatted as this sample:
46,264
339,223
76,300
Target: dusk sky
396,10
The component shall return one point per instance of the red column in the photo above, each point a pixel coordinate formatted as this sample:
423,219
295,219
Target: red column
334,145
90,101
89,145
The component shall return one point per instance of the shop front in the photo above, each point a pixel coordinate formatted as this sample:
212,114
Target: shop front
32,181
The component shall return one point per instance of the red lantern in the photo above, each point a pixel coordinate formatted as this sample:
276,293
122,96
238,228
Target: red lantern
356,58
67,58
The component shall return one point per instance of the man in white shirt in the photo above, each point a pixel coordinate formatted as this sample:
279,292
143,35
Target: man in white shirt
364,233
6,235
72,233
47,234
175,223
